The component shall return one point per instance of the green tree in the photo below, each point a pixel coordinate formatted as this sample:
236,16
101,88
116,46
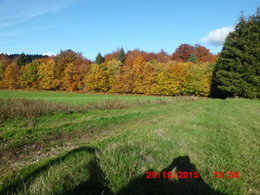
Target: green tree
237,71
193,58
29,74
23,59
100,59
121,56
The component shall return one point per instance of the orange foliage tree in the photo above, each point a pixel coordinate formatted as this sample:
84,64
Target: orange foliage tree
74,73
11,76
125,81
186,53
4,61
183,53
203,54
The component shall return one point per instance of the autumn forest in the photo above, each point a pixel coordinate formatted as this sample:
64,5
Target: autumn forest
187,71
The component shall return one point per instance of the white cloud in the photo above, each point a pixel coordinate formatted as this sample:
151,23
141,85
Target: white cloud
49,54
217,36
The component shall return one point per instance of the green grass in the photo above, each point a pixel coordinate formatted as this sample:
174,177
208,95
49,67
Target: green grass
110,150
73,98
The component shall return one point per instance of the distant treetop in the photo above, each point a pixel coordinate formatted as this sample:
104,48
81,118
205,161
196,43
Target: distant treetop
100,59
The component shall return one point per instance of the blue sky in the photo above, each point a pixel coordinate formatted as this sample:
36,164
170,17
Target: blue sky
92,26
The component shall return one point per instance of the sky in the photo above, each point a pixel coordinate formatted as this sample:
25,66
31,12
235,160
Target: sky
92,26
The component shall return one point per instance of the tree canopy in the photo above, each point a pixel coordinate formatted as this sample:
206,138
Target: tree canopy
135,71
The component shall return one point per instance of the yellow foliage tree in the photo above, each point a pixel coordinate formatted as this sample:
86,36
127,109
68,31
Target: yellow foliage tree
198,79
178,76
113,70
97,79
47,79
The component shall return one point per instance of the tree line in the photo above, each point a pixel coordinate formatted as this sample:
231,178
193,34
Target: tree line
187,71
190,70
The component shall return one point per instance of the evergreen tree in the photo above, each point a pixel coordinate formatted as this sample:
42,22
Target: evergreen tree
23,59
237,71
193,58
121,56
100,59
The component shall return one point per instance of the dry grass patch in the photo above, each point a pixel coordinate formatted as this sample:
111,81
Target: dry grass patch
26,108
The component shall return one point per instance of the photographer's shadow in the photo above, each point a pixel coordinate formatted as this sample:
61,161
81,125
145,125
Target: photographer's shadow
184,186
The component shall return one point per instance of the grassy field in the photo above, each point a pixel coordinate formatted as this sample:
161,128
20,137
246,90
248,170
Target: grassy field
107,149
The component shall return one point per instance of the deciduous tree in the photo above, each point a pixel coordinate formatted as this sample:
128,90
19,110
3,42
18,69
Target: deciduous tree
4,62
113,70
97,79
47,79
183,53
74,73
29,74
198,79
11,76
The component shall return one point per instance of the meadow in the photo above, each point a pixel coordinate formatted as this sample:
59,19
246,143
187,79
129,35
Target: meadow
75,143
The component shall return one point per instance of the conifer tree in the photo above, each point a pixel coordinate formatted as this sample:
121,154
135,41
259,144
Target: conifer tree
23,59
193,58
237,71
121,56
100,59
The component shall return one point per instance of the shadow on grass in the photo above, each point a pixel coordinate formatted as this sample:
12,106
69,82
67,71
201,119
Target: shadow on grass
96,183
161,185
